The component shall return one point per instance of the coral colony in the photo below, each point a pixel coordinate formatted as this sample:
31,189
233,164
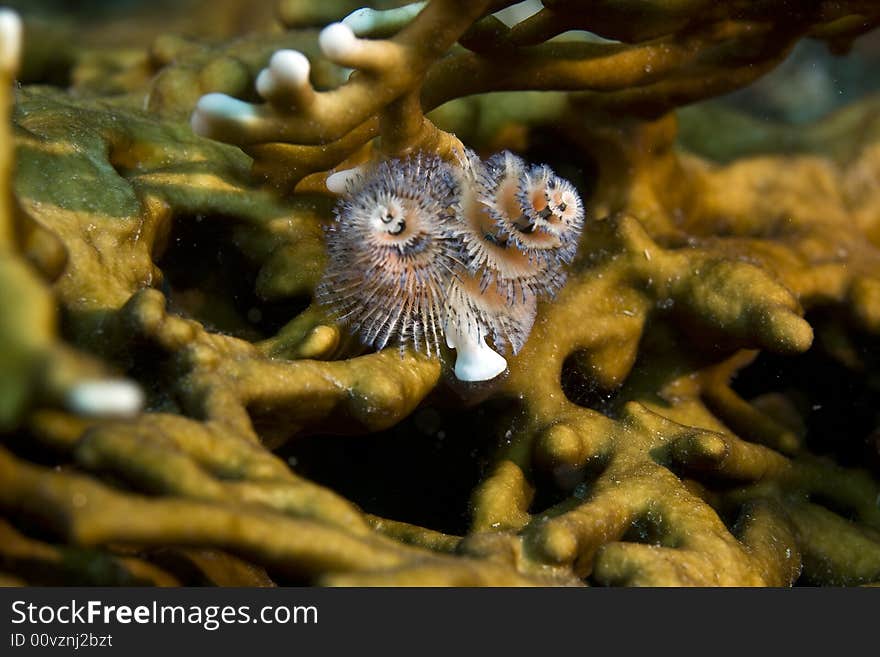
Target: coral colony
422,249
670,419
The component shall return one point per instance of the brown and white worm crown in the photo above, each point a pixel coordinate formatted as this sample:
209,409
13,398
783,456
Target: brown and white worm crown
421,250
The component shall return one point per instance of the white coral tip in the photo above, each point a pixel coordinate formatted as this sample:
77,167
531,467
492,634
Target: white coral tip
362,21
337,40
339,182
105,397
517,13
267,83
290,68
219,107
10,40
474,359
365,21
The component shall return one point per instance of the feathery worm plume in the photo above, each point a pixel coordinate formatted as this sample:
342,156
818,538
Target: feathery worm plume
391,256
490,219
553,214
422,249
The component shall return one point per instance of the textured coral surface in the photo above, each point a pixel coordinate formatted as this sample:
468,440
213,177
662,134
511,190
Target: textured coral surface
697,406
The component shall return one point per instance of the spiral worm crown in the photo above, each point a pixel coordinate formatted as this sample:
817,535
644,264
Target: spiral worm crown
391,255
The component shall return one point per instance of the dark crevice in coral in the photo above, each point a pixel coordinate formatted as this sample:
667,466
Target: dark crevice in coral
270,316
421,471
565,486
288,579
25,445
840,406
648,529
835,506
35,528
173,562
549,496
589,580
152,368
582,389
551,145
208,278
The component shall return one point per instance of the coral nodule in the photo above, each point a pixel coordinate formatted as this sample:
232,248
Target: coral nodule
421,249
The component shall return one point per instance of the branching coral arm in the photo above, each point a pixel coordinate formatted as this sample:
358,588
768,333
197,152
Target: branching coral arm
637,21
385,71
685,61
377,23
583,66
